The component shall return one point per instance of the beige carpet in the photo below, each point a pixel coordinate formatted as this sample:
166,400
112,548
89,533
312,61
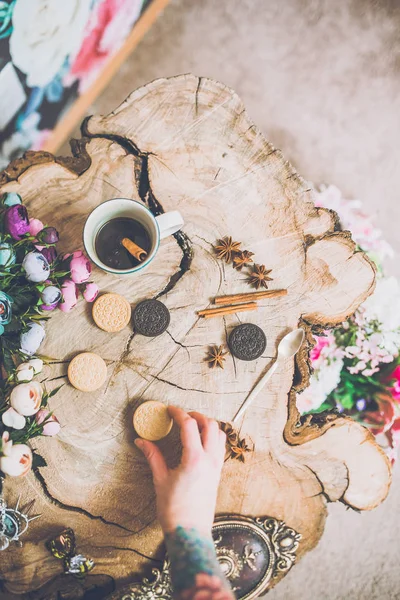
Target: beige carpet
321,79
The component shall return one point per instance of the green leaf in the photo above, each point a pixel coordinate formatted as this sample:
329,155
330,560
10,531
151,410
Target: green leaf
56,390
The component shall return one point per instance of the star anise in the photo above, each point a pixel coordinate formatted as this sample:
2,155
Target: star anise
236,447
216,356
231,434
259,276
242,259
226,247
238,450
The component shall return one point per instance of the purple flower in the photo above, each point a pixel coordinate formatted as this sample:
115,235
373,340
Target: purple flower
48,235
16,221
361,404
50,254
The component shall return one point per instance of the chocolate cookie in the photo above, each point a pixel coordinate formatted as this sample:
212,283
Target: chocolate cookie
151,318
247,341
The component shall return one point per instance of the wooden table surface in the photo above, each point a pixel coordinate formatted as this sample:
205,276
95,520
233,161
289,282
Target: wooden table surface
187,143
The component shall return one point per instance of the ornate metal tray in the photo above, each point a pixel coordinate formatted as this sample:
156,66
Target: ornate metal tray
251,553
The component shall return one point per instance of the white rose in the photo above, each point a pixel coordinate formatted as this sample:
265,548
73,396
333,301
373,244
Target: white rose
44,33
17,461
11,418
36,267
36,364
32,338
25,372
26,398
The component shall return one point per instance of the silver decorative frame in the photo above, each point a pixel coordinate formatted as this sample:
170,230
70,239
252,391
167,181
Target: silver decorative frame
282,543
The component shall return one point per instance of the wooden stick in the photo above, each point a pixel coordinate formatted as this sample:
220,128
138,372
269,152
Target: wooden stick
134,249
249,296
226,310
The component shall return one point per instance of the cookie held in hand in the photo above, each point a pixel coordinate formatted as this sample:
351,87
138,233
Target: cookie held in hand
152,421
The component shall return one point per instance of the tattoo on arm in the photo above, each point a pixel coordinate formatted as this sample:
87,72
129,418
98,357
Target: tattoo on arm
195,570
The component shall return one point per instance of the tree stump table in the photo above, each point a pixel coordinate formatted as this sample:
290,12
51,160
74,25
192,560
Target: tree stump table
187,143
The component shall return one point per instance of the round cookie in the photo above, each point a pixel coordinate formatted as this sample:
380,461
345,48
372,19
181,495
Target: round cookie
151,318
247,341
111,312
151,421
87,372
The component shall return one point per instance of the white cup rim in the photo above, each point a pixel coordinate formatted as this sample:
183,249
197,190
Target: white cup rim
140,266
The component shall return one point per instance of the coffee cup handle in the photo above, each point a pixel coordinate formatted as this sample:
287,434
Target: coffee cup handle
169,223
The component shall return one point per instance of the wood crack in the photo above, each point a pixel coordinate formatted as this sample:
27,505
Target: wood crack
76,509
147,196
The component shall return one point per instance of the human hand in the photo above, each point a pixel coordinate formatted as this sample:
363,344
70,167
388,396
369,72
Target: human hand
187,495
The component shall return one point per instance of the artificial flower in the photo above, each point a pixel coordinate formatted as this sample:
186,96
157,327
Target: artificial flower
5,310
36,267
352,217
11,418
24,372
50,253
70,296
394,379
42,40
51,426
7,255
18,460
80,267
6,443
322,383
36,364
16,221
31,339
109,25
51,295
91,292
35,226
11,198
48,235
381,420
26,398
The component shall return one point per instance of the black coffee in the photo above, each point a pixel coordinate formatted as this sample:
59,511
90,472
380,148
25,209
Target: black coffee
108,242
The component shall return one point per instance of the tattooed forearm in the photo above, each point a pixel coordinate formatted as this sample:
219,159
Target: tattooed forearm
195,570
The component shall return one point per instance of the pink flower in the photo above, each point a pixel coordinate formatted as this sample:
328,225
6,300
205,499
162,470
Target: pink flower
70,296
91,292
51,426
80,267
109,25
322,341
394,379
35,226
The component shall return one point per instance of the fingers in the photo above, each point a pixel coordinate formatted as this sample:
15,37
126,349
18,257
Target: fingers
190,435
154,457
209,431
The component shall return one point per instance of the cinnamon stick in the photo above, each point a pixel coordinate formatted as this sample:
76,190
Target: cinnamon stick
134,249
226,310
249,296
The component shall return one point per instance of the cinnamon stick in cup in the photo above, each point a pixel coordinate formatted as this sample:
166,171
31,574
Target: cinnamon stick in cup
134,249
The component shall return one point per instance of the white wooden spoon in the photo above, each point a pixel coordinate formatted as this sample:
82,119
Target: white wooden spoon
288,347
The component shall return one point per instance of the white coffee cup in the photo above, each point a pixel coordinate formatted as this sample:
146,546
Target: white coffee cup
157,228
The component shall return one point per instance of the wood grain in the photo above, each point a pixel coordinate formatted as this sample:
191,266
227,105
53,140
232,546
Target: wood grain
187,143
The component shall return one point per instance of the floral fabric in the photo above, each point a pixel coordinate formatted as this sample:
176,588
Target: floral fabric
55,51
